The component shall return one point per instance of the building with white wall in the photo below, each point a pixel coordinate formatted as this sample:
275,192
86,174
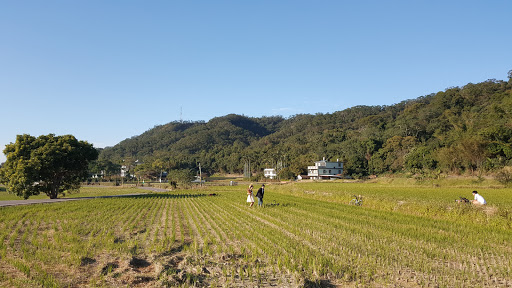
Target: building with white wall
326,170
270,173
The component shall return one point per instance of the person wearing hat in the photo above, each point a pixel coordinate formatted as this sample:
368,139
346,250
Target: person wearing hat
250,198
259,195
479,200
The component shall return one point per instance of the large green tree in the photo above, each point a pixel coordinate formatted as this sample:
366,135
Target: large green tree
49,164
181,177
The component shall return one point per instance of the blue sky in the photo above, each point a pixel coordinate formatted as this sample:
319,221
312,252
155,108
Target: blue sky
105,71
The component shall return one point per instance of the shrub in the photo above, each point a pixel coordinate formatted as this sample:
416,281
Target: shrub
504,176
257,177
286,174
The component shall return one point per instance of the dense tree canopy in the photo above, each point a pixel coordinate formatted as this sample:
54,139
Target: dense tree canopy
49,164
461,129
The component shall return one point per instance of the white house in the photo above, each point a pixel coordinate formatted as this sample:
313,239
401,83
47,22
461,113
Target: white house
326,170
270,173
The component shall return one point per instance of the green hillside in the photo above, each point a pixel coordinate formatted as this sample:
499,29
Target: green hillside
460,130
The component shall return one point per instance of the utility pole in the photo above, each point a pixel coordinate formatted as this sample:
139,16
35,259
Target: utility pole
200,176
247,168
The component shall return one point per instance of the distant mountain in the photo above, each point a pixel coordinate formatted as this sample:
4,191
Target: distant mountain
461,129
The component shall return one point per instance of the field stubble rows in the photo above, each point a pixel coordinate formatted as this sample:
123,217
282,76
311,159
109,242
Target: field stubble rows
186,239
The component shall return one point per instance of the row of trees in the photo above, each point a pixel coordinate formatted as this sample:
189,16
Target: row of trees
105,170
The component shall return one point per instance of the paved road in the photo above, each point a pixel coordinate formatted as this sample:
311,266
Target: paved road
41,201
153,189
36,201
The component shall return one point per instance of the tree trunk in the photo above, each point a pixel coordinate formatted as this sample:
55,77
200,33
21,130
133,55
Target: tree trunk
53,194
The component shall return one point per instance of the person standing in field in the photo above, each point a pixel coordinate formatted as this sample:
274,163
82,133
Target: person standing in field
250,198
479,200
259,195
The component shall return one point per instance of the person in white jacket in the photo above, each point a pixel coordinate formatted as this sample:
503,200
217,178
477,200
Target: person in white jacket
479,200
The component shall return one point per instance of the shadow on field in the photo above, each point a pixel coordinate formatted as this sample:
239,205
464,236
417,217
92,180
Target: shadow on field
139,263
318,284
169,196
84,261
176,249
274,204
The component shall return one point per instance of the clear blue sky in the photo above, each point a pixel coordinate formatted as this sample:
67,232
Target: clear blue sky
107,70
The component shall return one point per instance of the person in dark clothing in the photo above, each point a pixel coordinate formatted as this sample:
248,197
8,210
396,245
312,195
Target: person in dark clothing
260,194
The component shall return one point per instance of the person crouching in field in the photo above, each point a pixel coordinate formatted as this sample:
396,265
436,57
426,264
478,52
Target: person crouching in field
479,200
250,198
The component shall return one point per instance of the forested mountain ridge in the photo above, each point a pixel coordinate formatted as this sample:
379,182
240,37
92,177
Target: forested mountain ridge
461,129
